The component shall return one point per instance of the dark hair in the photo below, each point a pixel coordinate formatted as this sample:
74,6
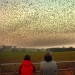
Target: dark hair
48,57
27,57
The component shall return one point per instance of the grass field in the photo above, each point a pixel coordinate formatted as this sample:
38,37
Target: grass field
9,57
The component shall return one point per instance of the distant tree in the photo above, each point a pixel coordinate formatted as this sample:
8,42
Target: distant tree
23,49
70,48
38,50
14,49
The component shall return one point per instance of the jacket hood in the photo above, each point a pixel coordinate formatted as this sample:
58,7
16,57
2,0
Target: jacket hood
27,62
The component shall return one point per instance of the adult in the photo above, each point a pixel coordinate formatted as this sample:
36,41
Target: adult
48,66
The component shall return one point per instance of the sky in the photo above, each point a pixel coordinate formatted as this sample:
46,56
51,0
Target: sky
37,23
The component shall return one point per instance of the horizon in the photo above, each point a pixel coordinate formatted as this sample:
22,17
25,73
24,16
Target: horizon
45,47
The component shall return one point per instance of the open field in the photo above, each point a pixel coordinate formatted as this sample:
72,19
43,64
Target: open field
17,57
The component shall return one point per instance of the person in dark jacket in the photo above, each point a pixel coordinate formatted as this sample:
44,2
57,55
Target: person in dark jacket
48,66
27,67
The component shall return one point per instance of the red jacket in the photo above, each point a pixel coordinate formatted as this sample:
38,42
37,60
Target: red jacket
26,68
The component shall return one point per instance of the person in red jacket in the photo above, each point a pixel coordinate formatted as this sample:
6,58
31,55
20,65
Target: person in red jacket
27,67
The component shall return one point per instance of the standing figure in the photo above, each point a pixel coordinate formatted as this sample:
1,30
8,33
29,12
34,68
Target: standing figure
48,66
27,67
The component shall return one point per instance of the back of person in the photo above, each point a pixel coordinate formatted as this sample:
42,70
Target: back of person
48,66
27,68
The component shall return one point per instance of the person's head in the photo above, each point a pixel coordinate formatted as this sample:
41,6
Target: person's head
48,57
27,57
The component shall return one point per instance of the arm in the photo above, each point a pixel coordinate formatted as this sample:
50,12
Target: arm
19,70
34,69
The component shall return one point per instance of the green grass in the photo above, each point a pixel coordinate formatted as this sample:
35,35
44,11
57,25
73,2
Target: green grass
6,57
9,57
64,56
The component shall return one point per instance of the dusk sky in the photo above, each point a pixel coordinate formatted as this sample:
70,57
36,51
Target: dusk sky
37,23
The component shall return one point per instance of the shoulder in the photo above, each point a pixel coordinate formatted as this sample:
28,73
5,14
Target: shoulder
53,61
42,62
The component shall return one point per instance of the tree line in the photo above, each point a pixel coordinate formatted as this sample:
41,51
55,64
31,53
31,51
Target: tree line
4,48
63,49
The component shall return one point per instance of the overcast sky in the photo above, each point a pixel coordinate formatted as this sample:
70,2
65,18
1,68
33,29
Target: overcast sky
37,23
